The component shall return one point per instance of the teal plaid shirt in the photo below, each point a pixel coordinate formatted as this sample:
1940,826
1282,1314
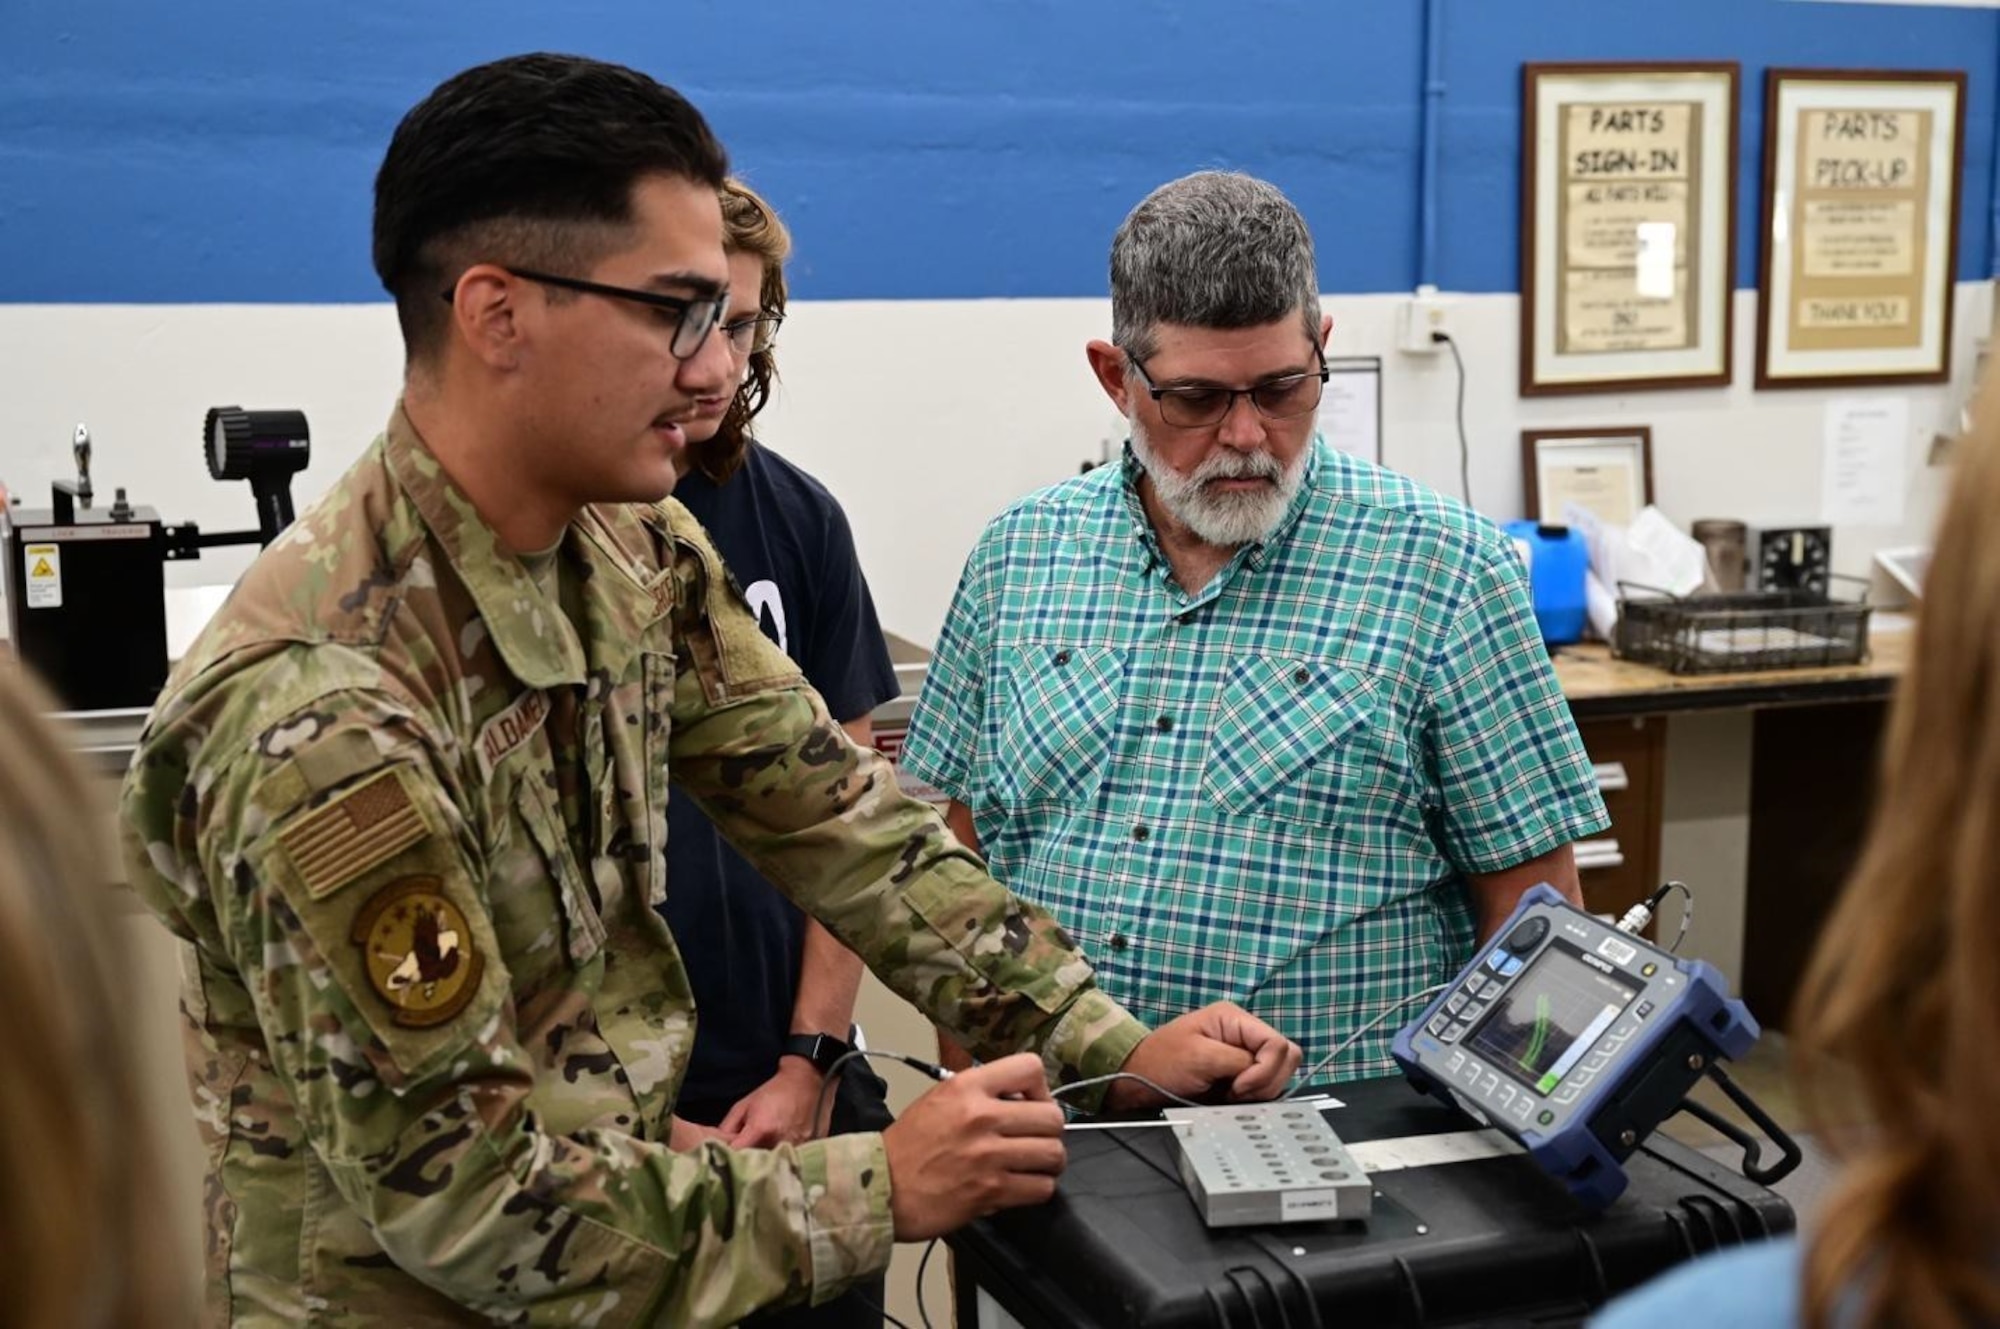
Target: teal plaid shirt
1268,792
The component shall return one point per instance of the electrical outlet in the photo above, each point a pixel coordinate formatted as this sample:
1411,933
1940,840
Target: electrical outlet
1424,313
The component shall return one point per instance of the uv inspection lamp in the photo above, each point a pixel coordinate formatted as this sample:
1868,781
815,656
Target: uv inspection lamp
1577,1040
86,585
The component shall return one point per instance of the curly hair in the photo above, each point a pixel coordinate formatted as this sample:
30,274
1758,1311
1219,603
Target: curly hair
749,226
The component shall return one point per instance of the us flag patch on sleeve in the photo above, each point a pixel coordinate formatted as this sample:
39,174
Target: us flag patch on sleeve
361,828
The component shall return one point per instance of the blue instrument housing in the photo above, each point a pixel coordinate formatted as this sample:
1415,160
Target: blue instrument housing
1575,1039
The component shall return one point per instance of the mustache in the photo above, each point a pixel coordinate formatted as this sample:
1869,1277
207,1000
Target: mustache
1238,466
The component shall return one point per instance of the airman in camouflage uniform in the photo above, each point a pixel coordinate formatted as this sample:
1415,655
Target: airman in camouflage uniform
404,802
435,1026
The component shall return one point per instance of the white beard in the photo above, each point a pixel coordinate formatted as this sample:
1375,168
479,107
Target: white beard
1222,517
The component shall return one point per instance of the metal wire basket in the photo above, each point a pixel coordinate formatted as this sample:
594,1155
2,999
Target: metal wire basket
1741,631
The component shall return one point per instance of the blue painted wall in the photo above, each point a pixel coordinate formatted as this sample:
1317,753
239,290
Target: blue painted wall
220,150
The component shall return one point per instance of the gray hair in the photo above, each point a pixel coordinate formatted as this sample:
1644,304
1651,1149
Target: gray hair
1216,249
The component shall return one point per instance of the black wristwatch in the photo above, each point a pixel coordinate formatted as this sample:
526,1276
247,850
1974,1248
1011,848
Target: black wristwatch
822,1050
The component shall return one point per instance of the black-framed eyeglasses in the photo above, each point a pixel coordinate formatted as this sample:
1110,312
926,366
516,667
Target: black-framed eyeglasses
1197,405
693,320
757,333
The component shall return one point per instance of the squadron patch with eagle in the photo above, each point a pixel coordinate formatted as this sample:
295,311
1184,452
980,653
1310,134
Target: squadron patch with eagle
417,951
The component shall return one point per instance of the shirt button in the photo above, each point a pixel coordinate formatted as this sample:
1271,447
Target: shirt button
1119,941
1140,832
1165,724
1062,657
1302,677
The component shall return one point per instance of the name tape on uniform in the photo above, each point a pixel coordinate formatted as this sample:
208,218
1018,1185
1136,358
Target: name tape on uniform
511,728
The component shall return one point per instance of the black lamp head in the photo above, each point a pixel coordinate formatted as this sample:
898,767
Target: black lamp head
255,445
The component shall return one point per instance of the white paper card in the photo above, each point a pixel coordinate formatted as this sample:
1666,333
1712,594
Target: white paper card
1655,273
1866,439
1350,413
1430,1150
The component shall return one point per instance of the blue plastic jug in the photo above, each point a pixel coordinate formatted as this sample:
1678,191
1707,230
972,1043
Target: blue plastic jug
1557,561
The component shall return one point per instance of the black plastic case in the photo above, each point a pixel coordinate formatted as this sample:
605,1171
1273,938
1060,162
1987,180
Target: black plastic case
1488,1242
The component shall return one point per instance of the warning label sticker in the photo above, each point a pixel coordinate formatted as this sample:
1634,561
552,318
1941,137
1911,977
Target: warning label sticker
44,565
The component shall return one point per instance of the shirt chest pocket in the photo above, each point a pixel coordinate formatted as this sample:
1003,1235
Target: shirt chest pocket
551,867
1290,741
1061,710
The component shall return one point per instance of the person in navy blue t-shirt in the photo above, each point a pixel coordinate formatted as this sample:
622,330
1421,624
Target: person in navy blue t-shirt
774,991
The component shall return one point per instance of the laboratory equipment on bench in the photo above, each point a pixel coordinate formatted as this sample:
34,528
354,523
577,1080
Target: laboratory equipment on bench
1578,1038
1723,541
1792,558
86,585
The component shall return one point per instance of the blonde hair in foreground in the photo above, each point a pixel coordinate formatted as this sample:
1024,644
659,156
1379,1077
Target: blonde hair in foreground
84,1237
1905,984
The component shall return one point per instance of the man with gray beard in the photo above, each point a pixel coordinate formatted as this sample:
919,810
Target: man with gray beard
1257,720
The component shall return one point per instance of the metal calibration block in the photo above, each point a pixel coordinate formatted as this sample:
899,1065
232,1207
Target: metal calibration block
1262,1163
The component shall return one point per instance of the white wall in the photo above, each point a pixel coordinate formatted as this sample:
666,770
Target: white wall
925,417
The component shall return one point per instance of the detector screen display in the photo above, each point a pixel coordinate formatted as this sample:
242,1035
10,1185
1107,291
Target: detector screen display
1543,1024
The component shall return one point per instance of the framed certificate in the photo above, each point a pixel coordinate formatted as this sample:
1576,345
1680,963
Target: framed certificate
1350,412
1608,472
1628,255
1860,227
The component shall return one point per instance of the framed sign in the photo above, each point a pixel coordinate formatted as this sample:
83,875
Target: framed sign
1350,414
1628,255
1608,472
1860,227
